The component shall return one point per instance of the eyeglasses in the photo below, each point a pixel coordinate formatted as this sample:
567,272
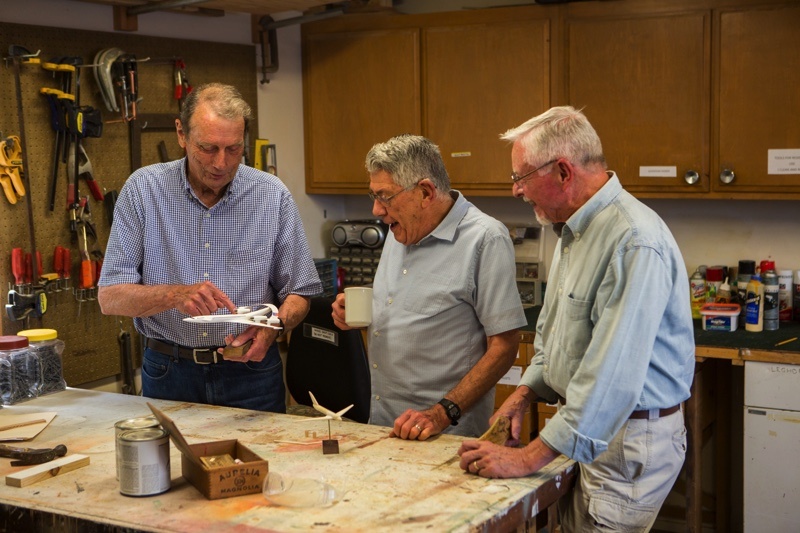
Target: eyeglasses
516,179
386,200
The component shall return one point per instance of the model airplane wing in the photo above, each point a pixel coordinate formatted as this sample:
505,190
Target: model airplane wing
329,415
266,317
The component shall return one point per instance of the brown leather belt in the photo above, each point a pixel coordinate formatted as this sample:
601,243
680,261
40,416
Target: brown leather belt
653,414
201,356
645,414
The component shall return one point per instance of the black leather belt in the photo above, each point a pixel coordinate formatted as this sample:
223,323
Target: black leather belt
201,356
645,414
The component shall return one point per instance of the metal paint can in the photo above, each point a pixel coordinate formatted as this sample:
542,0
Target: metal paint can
144,462
142,422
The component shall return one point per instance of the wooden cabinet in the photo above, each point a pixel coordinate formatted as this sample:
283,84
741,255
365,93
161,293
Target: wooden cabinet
360,88
677,110
643,81
461,79
680,91
474,90
757,79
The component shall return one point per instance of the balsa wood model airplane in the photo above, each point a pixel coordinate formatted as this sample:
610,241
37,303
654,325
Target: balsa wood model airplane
266,317
329,415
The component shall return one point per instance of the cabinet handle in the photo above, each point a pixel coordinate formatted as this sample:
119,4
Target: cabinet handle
691,177
727,176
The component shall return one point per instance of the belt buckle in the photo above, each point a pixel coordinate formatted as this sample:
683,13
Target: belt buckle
196,350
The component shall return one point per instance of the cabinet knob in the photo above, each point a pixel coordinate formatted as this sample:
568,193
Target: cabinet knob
691,177
727,176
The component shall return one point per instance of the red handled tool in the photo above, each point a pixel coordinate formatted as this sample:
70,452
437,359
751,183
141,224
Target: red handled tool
18,266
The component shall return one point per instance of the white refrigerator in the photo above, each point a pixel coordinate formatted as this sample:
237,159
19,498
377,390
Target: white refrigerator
771,447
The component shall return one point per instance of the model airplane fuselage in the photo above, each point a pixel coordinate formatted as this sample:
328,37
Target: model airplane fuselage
266,317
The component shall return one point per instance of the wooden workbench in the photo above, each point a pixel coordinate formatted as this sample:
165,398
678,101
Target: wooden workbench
389,484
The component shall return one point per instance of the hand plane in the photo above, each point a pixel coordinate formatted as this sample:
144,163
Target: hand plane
31,456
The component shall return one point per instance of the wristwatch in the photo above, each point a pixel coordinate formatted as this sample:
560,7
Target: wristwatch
452,409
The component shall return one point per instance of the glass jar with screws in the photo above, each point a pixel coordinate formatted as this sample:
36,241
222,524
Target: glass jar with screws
48,349
16,382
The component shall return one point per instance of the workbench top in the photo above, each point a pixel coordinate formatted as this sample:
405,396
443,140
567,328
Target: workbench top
389,484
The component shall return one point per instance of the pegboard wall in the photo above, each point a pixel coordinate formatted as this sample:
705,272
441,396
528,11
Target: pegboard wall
92,350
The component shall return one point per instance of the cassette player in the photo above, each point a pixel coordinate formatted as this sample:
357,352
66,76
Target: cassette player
367,233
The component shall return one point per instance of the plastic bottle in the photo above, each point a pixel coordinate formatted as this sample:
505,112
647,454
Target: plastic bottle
785,295
697,293
771,300
754,304
724,295
747,267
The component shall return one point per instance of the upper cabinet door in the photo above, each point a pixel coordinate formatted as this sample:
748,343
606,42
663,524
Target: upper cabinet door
759,100
360,88
643,80
479,81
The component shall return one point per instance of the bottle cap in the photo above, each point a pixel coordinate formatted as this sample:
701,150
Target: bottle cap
13,342
37,335
767,264
714,273
747,266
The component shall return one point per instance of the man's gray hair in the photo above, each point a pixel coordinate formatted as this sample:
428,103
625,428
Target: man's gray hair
558,132
225,100
409,159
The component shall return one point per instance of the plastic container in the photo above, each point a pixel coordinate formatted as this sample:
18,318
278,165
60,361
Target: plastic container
724,295
48,349
720,316
785,295
15,370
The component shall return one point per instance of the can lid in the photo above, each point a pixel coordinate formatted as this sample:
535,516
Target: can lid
714,273
13,342
138,435
36,335
767,264
747,266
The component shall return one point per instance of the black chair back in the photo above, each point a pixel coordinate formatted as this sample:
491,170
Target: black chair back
329,362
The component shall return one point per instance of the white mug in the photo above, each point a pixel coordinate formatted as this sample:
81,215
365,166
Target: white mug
358,306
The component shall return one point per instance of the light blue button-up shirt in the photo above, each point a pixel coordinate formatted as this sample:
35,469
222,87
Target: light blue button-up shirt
251,245
434,304
615,333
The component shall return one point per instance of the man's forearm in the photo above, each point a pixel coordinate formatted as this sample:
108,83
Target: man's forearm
293,310
135,300
500,354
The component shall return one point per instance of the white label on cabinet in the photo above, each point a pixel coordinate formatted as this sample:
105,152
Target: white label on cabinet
658,172
783,161
460,154
512,377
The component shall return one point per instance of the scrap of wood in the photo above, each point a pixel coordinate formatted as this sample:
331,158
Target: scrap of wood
47,470
500,431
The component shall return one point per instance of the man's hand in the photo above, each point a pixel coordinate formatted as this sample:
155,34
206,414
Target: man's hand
338,312
262,339
515,407
200,299
485,459
419,425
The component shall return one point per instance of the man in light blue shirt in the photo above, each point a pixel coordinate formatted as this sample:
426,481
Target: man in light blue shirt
446,310
614,341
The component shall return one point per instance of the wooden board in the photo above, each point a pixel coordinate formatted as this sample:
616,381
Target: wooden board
59,466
